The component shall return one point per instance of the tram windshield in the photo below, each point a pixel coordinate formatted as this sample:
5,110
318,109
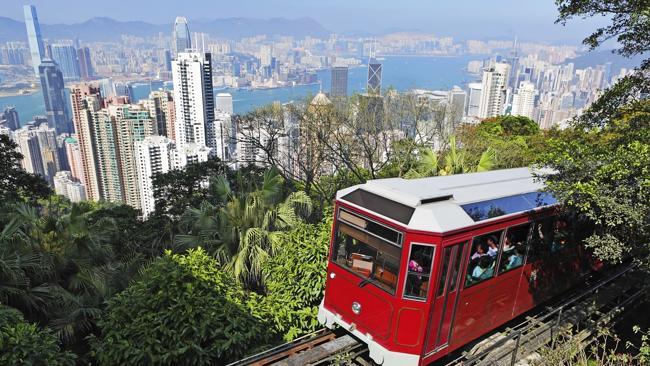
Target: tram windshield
367,254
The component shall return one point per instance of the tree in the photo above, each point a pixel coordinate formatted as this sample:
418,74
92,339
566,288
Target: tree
23,343
514,140
178,189
15,182
295,277
603,173
630,22
183,310
240,229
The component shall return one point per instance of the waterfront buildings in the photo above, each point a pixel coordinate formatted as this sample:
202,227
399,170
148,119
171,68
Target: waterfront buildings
493,94
181,40
53,87
9,118
36,48
339,80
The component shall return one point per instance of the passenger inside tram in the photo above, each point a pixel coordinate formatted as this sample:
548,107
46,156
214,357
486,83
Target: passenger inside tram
516,259
480,249
493,246
484,269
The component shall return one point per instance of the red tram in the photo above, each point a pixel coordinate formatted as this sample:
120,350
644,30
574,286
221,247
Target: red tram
419,268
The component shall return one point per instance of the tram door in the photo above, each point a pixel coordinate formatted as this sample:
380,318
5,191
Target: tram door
445,302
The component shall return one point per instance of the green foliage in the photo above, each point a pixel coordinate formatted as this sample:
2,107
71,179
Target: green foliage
23,343
512,142
181,188
241,229
295,278
15,182
604,174
183,310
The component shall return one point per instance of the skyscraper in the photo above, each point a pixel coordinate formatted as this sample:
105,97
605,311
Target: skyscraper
339,87
27,142
73,154
34,36
9,118
193,98
86,100
181,36
473,99
374,77
66,57
493,96
85,65
523,102
161,109
153,155
56,107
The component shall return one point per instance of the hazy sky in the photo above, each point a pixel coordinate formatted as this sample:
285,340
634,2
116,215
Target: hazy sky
530,19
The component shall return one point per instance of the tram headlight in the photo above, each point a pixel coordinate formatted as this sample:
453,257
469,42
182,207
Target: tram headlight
332,275
356,308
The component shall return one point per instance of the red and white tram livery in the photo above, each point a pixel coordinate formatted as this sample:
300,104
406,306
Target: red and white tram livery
419,268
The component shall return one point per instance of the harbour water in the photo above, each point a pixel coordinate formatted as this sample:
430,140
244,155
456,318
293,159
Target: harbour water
399,72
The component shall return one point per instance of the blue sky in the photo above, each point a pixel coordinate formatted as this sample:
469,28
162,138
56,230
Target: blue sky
530,19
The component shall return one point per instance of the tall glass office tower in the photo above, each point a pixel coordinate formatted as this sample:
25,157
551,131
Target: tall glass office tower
181,36
66,57
34,36
374,77
56,107
339,87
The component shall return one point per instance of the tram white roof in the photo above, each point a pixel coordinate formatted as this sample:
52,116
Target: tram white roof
437,202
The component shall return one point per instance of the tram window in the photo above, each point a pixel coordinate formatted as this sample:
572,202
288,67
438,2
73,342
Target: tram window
454,271
443,273
418,271
368,256
483,258
541,239
514,248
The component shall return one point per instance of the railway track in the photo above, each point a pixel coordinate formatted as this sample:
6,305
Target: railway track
599,303
317,348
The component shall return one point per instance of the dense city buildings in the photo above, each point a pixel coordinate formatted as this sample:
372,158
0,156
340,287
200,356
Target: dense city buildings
149,104
56,104
36,48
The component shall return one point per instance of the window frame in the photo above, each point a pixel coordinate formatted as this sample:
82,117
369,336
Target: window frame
469,259
334,247
531,225
406,271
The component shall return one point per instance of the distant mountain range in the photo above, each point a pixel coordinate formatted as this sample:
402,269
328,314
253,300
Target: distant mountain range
107,29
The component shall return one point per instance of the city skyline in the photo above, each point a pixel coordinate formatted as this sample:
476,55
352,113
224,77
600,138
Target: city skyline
473,18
